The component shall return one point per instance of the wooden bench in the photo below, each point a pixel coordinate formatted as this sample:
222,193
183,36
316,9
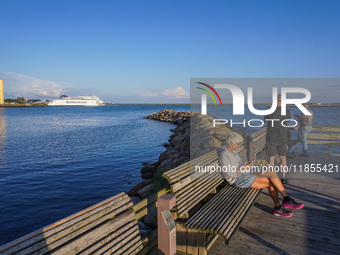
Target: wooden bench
107,227
324,135
223,214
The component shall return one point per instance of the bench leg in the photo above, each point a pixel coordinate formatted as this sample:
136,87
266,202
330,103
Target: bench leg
196,242
192,242
201,243
181,238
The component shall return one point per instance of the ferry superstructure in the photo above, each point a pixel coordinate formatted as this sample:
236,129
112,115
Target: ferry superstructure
77,101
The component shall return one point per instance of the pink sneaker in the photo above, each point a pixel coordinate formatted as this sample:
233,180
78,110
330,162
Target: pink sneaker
282,212
292,204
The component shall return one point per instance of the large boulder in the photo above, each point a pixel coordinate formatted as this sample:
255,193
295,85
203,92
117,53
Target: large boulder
151,218
148,175
144,229
145,191
168,154
180,161
149,168
182,128
166,165
219,133
133,191
135,200
178,139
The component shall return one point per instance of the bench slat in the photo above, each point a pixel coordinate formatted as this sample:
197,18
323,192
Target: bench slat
210,209
177,171
237,214
81,242
221,207
40,238
74,231
226,224
184,172
124,245
233,226
182,184
222,214
197,197
112,238
196,186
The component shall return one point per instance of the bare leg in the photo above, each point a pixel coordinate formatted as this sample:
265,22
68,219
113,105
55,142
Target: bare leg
274,180
271,161
284,166
275,196
263,182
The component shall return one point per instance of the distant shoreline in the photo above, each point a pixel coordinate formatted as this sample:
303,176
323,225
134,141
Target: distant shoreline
41,105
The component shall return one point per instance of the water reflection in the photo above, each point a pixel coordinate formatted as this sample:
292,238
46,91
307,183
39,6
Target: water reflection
2,132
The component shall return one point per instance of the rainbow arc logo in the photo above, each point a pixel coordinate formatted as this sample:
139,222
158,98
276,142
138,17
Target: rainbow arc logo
209,93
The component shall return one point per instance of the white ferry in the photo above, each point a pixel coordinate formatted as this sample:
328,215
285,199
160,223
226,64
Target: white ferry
77,101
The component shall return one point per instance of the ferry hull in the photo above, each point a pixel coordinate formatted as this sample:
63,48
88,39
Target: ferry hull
77,102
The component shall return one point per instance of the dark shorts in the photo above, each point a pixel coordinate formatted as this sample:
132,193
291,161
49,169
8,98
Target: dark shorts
244,180
272,149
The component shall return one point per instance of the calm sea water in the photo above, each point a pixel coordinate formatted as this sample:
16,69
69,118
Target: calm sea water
54,161
57,160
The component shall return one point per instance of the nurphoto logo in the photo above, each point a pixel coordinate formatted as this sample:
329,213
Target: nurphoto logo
238,99
238,103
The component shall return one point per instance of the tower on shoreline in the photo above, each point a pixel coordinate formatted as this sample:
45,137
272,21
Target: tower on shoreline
2,97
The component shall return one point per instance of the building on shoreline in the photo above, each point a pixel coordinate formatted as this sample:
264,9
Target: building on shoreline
2,97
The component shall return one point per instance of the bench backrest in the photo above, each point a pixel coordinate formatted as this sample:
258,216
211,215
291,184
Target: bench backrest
108,226
324,135
190,187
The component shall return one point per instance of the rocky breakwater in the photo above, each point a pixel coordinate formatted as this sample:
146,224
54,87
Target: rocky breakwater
194,131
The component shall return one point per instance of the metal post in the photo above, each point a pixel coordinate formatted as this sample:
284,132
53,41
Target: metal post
166,225
329,145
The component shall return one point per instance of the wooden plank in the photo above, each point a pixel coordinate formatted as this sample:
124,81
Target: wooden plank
323,136
227,225
49,234
147,204
293,238
83,237
171,174
323,142
326,128
191,170
196,185
149,244
124,246
197,197
211,240
220,206
113,238
237,221
80,227
229,210
316,221
209,211
192,181
192,242
180,170
201,243
134,249
253,245
141,213
181,233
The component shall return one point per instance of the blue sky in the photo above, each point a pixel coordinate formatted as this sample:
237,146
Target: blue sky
147,51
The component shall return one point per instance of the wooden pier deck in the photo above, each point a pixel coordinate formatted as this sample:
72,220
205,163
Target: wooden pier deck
315,229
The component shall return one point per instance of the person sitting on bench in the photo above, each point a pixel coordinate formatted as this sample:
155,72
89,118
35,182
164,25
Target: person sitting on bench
257,180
